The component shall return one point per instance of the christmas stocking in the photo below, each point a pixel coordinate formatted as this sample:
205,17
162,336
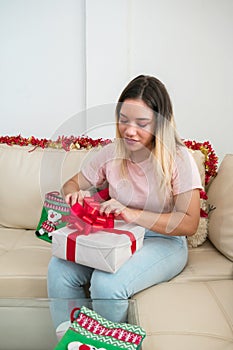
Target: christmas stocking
88,327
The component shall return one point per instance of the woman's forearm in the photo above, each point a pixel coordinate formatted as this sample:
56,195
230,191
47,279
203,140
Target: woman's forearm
183,220
75,189
172,224
75,184
69,187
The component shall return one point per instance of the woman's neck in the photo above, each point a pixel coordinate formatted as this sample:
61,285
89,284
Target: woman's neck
140,156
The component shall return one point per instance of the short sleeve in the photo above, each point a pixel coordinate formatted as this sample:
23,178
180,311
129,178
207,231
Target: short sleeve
186,176
95,169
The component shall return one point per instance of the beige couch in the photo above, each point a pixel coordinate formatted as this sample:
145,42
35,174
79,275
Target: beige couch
192,311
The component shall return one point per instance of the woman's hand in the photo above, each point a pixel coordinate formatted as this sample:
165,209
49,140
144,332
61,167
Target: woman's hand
120,211
77,196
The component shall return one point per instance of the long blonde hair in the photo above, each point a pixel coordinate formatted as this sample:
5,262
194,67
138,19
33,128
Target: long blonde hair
153,92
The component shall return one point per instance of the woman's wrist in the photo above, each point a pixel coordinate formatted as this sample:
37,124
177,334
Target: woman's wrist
131,215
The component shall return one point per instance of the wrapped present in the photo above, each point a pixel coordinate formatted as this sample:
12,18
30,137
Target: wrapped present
94,239
106,250
90,329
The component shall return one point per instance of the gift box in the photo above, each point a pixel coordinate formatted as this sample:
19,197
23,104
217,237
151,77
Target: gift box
107,249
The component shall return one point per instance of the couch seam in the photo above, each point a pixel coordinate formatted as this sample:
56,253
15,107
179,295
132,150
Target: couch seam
220,306
25,247
29,277
199,334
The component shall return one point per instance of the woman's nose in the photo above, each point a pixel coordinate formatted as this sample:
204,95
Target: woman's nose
131,130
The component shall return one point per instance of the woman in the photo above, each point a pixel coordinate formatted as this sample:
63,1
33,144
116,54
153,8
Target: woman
153,182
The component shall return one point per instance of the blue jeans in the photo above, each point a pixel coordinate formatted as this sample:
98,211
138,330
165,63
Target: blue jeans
160,259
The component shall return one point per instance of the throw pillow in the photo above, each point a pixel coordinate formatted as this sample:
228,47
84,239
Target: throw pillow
202,231
220,195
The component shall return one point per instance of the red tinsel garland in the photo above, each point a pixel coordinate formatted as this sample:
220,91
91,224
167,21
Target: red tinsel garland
62,142
211,160
211,165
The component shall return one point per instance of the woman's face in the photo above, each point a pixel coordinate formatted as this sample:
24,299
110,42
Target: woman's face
136,125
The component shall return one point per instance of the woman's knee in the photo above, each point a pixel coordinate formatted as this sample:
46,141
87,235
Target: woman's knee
62,273
54,269
105,286
58,275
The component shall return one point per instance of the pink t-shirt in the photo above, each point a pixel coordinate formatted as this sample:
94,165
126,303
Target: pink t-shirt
141,187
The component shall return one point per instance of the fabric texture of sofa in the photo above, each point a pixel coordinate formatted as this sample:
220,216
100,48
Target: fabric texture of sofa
192,311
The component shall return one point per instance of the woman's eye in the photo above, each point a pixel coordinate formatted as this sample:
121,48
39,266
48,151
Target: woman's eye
123,121
142,125
139,124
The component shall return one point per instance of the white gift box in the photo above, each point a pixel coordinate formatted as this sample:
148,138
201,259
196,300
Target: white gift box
101,250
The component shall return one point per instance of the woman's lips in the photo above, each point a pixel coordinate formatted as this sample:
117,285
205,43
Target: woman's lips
130,141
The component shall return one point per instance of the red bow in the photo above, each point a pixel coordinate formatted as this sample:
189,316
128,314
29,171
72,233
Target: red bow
87,219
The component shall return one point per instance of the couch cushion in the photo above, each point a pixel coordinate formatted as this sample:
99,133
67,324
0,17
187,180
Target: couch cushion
23,264
27,175
205,263
220,195
187,316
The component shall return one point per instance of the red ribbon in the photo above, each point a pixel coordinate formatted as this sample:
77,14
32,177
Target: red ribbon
87,219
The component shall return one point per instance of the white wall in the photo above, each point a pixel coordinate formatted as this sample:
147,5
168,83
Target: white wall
107,45
41,65
59,57
188,45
